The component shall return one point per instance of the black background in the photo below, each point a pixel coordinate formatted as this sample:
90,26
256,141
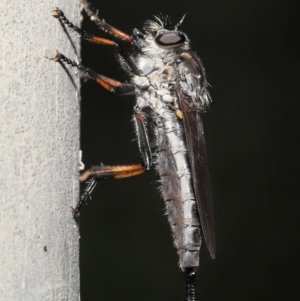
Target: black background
250,54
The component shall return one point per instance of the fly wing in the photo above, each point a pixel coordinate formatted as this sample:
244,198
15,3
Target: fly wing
195,141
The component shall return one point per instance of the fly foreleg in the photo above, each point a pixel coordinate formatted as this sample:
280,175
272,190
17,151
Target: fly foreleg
123,57
105,26
118,34
101,173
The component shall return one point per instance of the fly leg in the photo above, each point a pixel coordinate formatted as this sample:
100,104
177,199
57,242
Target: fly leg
101,173
107,83
117,33
105,26
126,60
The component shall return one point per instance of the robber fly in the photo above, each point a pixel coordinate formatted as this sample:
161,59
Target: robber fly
168,80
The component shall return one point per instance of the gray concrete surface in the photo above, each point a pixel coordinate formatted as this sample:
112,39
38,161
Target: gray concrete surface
39,144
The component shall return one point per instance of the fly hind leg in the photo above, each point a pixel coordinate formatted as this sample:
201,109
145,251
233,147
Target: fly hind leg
101,173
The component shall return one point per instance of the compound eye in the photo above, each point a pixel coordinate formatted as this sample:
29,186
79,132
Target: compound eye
169,39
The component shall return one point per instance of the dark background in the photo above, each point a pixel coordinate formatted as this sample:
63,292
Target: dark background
252,134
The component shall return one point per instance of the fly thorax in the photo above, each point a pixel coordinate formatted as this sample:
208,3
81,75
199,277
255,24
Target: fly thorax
163,75
154,89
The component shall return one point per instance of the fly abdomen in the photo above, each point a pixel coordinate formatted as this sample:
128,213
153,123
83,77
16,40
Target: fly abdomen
177,190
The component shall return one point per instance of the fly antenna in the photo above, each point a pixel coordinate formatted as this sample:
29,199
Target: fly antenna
180,22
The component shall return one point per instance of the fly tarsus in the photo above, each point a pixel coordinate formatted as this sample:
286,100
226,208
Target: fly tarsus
59,14
84,197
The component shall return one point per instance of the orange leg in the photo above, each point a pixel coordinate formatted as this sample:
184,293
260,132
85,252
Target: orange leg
104,26
127,60
101,173
107,83
113,172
